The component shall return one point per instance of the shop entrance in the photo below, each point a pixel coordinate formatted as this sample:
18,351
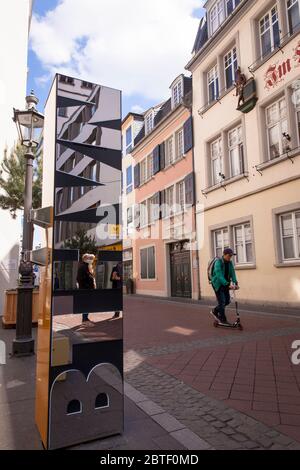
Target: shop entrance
180,263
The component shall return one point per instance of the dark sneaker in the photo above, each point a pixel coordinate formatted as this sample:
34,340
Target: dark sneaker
215,315
224,321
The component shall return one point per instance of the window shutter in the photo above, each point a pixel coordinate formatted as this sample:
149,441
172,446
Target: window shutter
156,160
188,135
162,204
162,156
190,190
137,176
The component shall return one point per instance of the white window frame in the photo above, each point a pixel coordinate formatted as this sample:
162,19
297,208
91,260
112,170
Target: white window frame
180,196
169,151
230,59
213,78
169,201
153,207
244,244
143,171
150,169
222,231
149,122
127,146
278,123
235,4
287,12
293,214
216,179
144,214
270,28
218,11
148,278
179,143
239,144
177,92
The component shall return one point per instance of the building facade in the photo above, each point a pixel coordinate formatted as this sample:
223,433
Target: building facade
247,147
164,262
131,127
15,23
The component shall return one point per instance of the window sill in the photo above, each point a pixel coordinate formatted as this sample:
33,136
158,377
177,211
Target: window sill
174,163
282,158
147,181
224,183
244,267
288,264
208,106
262,60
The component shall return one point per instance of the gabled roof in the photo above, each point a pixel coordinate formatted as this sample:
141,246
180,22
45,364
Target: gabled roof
165,108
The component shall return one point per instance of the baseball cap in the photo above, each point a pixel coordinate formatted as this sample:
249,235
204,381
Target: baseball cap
229,251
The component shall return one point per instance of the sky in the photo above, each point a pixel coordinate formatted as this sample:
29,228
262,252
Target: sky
138,46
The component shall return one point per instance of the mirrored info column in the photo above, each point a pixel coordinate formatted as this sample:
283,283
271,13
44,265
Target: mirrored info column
85,360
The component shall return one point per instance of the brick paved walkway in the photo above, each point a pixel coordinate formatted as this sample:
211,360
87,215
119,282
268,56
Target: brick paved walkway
247,374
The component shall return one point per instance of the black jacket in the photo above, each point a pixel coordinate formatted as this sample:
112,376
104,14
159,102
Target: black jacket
84,278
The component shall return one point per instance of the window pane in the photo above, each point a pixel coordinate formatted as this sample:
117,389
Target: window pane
144,264
266,43
287,225
235,161
249,252
288,248
151,263
293,15
274,142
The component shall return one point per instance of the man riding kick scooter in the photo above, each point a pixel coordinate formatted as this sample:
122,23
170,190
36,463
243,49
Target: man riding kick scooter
223,279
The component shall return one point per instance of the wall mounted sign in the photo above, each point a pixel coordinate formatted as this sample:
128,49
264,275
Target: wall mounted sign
249,97
277,72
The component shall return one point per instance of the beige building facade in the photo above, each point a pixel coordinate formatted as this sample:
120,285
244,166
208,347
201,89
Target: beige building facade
247,157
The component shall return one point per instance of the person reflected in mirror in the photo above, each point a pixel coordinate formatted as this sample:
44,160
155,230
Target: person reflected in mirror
117,282
86,280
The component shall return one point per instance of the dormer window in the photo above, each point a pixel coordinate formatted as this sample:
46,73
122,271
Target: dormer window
231,5
149,122
177,93
216,16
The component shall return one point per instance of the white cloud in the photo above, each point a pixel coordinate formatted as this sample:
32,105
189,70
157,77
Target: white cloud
139,46
136,108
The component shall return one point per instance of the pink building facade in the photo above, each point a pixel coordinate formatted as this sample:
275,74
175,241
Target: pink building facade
165,260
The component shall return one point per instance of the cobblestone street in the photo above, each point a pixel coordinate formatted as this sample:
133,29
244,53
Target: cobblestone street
188,386
235,390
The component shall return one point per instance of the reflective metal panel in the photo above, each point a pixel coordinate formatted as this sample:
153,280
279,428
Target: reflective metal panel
86,360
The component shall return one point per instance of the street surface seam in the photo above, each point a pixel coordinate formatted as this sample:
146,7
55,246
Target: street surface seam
221,426
239,337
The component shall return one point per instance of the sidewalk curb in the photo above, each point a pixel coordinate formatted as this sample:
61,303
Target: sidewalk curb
171,425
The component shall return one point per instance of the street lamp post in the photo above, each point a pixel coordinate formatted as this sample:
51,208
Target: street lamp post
29,124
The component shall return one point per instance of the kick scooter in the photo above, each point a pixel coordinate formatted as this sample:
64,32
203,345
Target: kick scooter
237,324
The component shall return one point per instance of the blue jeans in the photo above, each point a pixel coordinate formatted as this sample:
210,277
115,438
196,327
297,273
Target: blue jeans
223,298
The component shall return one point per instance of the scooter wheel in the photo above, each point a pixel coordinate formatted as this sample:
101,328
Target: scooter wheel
241,328
216,324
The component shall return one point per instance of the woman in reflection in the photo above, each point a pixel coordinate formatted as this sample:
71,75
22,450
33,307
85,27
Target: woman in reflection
117,282
86,280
